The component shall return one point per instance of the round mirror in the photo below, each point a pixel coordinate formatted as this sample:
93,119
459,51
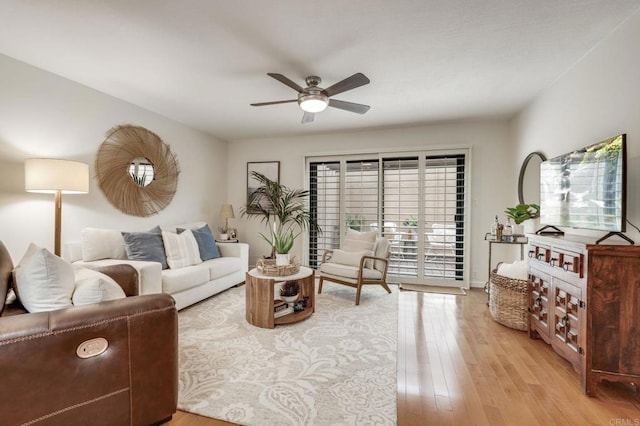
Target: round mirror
529,179
141,171
136,171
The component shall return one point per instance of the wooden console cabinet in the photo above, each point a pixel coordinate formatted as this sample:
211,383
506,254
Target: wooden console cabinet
584,301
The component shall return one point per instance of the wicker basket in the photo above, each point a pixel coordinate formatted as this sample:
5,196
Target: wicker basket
269,267
508,301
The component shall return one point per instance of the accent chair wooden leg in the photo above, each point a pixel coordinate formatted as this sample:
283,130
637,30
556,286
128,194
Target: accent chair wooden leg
320,285
359,289
386,287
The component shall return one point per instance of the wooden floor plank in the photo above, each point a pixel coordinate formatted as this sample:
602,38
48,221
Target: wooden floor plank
458,366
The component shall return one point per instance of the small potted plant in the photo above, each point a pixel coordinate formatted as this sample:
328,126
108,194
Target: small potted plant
282,244
223,232
522,212
411,225
289,291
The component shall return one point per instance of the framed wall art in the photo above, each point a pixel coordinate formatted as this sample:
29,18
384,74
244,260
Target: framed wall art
270,169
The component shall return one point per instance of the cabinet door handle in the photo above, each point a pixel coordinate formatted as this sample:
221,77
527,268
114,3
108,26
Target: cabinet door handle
566,266
553,261
538,301
563,320
531,253
540,256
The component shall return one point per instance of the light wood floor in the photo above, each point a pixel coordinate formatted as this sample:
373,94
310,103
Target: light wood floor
456,366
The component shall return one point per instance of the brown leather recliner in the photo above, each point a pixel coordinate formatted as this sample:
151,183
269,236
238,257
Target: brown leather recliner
44,381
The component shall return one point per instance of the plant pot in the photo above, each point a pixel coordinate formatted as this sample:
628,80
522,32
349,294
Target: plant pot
282,259
224,237
289,299
531,225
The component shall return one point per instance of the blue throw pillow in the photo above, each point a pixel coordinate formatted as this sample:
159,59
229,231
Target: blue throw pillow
145,246
206,243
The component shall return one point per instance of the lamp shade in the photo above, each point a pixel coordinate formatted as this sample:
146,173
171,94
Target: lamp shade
226,211
49,175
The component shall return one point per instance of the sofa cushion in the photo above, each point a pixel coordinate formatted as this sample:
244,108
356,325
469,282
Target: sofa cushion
94,287
223,266
176,280
349,271
206,242
181,249
146,246
102,244
358,241
350,258
43,281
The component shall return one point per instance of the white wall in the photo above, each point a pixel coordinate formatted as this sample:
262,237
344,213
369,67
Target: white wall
598,98
493,183
44,115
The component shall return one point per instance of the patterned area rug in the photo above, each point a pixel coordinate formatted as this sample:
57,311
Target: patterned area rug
337,367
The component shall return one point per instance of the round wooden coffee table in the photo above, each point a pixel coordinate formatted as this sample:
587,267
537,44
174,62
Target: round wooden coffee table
260,297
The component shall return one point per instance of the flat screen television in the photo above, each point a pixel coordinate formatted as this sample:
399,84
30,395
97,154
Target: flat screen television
586,188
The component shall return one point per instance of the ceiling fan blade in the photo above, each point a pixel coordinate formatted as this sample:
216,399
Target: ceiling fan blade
308,117
284,80
348,83
274,102
349,106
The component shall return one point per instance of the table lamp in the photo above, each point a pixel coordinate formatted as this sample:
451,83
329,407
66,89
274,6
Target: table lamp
54,176
226,211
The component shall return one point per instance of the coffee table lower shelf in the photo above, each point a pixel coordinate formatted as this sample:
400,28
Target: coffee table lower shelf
294,317
260,296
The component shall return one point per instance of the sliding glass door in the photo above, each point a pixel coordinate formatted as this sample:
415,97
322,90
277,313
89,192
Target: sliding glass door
415,200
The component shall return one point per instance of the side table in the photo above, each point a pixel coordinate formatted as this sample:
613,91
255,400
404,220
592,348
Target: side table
520,240
260,297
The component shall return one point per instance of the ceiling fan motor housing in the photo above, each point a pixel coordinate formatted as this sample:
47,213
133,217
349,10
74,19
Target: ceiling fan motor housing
311,99
313,80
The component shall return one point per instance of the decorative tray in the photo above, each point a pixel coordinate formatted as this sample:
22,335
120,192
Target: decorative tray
269,267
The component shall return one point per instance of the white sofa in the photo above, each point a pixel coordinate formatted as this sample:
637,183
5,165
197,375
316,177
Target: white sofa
187,285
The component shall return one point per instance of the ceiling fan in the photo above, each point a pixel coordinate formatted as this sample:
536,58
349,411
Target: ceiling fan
313,99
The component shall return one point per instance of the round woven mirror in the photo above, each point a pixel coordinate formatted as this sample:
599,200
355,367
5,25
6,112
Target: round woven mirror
136,171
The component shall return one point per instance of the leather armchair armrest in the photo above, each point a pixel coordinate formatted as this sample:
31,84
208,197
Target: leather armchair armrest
125,275
134,381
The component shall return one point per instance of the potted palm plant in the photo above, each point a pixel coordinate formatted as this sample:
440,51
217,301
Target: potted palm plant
285,213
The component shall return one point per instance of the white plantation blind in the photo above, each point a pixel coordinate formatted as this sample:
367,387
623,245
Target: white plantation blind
400,211
361,195
324,190
443,215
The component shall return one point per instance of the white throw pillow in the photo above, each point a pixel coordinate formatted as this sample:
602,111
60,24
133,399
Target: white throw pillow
382,247
94,287
358,241
181,249
102,244
43,281
349,258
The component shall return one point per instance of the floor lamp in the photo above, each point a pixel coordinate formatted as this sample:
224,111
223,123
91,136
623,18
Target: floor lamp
53,176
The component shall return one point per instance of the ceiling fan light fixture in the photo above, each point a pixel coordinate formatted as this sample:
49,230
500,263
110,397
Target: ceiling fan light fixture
314,102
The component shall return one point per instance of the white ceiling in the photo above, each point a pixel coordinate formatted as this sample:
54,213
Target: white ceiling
202,62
